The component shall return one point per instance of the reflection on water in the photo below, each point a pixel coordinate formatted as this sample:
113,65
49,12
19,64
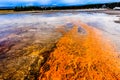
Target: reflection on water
11,23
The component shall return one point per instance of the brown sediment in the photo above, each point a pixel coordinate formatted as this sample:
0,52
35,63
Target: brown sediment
24,63
82,56
24,50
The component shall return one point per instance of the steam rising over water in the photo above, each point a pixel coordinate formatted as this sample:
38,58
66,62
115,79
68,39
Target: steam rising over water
101,21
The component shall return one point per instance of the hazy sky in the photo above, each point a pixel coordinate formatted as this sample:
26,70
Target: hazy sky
51,2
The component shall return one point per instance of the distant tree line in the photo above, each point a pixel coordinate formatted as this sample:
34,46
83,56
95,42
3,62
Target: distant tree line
30,8
6,8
